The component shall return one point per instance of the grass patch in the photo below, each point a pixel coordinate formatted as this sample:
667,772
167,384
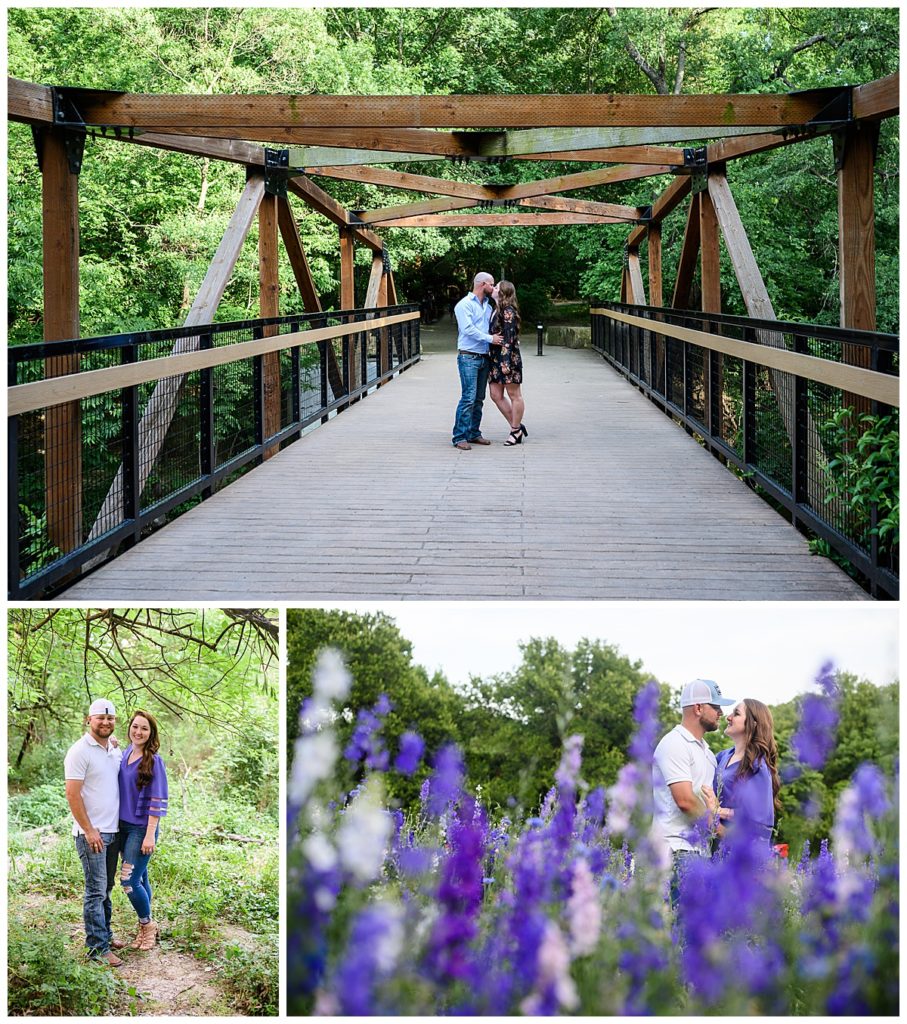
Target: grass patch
202,883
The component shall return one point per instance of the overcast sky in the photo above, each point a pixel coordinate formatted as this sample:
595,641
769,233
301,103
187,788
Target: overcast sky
770,651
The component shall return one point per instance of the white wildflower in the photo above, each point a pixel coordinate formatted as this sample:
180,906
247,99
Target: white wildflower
362,838
554,970
313,760
584,911
330,680
319,852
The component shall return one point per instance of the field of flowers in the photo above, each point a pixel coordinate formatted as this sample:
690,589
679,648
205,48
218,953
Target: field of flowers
447,911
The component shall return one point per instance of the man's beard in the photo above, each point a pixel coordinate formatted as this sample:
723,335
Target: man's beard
708,726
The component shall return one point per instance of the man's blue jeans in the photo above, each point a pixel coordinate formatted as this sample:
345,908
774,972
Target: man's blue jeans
100,870
473,383
134,877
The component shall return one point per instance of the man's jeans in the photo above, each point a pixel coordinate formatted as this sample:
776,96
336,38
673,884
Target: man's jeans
100,871
135,883
473,370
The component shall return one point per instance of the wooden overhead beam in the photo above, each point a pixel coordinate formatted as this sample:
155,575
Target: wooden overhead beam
613,155
410,182
488,220
671,198
229,150
877,99
415,209
488,111
581,179
327,206
627,214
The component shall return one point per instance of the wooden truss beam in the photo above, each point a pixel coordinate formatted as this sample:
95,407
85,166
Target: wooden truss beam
468,190
494,111
328,207
689,250
487,220
311,303
161,406
671,198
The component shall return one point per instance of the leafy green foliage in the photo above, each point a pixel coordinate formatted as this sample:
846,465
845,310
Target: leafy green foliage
864,470
151,220
47,980
211,684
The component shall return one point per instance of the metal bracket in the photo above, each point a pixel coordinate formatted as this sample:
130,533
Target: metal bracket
839,141
69,123
838,104
626,255
385,261
66,114
277,165
697,162
645,213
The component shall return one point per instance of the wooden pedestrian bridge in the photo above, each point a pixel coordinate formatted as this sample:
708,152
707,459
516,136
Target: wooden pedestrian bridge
607,498
687,454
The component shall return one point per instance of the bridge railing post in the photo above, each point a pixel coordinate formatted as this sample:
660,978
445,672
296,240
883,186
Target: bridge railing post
206,432
295,378
749,405
799,440
129,438
258,395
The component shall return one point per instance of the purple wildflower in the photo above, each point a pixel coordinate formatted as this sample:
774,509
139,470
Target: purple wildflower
375,943
412,747
814,739
460,898
365,743
446,781
645,712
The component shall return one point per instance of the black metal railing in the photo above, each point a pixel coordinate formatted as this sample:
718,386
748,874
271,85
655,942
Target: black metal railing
790,436
91,477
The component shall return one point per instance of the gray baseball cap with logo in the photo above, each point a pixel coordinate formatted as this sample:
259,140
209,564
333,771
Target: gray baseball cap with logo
703,691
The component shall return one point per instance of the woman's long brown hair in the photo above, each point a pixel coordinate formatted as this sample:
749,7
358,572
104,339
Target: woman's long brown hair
507,297
146,765
759,731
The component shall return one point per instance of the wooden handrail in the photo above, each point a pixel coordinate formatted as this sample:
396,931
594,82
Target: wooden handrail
43,394
869,383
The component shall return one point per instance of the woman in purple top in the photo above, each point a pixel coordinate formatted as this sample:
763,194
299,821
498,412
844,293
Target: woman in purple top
746,780
143,802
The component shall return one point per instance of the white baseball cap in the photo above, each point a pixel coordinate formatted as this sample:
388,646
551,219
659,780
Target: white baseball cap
101,707
703,691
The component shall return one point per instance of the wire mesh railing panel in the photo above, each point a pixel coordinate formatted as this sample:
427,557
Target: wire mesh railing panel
826,456
92,474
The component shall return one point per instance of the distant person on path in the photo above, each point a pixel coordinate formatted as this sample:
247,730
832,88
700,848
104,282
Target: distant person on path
744,794
143,802
506,373
91,769
682,771
473,313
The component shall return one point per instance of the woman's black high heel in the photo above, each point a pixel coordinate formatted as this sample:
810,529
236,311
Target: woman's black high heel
516,437
522,427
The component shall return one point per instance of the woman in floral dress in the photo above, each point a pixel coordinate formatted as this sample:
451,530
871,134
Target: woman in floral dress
506,375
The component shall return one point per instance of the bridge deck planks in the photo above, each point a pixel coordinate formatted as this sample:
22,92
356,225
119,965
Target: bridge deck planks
607,499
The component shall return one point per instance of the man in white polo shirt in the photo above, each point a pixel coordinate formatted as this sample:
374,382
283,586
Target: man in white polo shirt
682,765
91,769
